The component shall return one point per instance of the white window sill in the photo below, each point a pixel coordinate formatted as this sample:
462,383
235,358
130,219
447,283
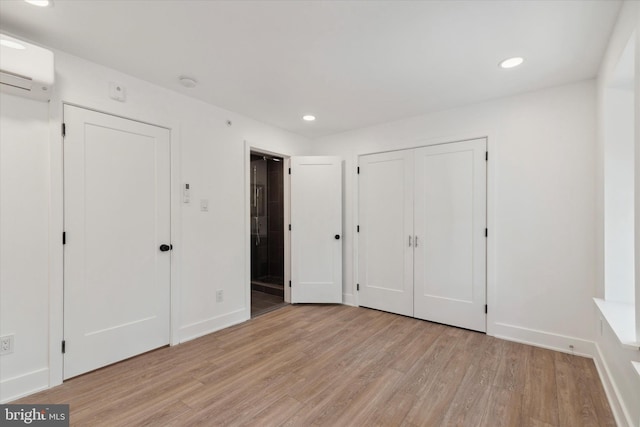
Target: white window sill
621,318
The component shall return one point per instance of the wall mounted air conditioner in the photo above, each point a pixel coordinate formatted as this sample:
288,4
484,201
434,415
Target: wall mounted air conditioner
25,69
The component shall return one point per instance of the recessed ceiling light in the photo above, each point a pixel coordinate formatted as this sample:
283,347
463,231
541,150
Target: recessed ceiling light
11,44
41,3
188,81
512,62
308,118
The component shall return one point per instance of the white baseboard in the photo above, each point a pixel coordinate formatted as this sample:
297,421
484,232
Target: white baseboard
213,324
349,299
620,412
24,385
544,339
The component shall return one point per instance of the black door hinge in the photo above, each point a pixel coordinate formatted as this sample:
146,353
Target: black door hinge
64,346
486,232
358,170
289,227
357,286
486,155
358,228
64,237
486,309
289,171
289,283
64,129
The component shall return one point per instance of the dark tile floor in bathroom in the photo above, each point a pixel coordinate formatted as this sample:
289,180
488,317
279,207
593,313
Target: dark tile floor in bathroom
262,302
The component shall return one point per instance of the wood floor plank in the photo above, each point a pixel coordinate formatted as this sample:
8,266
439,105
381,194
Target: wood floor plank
391,411
339,392
305,365
435,401
276,414
586,367
540,392
422,373
152,399
376,396
504,409
534,422
512,371
473,394
575,406
356,400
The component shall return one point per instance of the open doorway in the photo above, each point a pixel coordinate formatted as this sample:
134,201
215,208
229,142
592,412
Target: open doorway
267,233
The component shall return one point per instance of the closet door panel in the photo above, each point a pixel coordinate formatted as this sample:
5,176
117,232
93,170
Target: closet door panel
450,221
386,230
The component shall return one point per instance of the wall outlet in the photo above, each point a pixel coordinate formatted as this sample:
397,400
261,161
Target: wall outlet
6,345
219,296
204,205
601,329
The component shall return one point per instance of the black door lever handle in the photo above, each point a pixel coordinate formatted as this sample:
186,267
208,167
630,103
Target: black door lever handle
165,248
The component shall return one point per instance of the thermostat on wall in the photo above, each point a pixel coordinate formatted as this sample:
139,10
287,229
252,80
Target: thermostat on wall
186,194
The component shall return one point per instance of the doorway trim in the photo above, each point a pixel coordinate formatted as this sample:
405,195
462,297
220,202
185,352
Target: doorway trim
286,163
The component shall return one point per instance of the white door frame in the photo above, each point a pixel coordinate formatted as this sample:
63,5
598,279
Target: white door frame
248,149
56,221
491,289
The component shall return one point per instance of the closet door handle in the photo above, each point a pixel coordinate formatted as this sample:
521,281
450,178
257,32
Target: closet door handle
409,241
416,242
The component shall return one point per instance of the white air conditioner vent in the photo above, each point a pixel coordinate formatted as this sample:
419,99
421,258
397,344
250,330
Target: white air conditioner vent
25,69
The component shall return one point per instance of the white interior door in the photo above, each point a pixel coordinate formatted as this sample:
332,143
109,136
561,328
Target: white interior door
117,215
385,241
450,246
316,230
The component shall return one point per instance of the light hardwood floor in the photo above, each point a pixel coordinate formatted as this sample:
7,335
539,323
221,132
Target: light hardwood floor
339,366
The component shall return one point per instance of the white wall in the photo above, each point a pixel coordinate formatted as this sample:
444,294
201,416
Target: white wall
618,194
24,242
541,205
618,113
209,247
543,255
621,382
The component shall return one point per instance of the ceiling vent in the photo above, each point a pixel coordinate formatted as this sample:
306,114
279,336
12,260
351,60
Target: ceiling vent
25,69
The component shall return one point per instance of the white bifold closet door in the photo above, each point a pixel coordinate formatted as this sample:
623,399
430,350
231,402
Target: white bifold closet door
316,229
449,228
116,217
422,244
386,232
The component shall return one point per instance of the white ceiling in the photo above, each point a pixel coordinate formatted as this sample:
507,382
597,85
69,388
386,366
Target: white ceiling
351,63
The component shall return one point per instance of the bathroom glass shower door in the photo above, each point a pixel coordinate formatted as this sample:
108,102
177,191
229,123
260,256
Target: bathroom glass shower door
267,230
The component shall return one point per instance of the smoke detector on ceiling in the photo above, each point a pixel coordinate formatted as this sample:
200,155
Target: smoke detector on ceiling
188,81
